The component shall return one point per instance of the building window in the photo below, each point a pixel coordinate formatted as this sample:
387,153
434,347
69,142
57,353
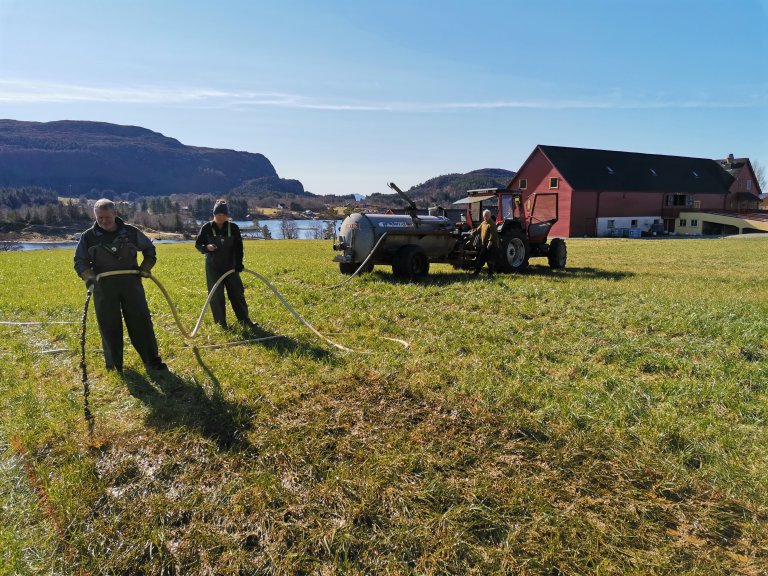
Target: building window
610,170
679,200
523,183
653,172
554,183
633,224
695,174
749,185
694,223
682,223
611,224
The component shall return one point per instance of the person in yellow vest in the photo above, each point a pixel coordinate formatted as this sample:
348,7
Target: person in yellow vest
489,242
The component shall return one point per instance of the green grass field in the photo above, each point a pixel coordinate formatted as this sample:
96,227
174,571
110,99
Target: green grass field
610,418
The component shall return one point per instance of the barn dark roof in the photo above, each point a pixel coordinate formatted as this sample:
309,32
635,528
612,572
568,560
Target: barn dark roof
586,169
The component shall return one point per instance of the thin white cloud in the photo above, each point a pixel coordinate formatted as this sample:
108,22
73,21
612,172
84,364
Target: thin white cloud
30,92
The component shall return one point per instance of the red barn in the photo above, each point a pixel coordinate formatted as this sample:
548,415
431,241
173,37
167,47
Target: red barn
610,193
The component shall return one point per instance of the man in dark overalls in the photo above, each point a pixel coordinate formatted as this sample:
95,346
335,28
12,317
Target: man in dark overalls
222,244
112,245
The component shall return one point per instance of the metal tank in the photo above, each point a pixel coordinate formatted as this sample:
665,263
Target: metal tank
408,243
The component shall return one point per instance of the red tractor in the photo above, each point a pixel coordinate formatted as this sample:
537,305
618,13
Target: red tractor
523,228
410,242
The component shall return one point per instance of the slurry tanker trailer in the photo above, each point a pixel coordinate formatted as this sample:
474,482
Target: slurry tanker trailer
411,242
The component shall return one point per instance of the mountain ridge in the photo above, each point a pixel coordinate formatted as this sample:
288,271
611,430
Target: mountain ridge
92,159
86,158
445,189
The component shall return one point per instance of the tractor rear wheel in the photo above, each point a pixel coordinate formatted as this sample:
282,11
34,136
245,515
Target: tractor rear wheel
558,253
410,262
514,253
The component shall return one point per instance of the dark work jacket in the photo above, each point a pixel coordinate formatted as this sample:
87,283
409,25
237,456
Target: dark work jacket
103,251
229,254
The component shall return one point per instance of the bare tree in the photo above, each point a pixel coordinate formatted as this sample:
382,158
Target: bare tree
288,228
760,175
317,230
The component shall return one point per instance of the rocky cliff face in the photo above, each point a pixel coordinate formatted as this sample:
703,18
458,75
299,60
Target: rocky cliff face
84,158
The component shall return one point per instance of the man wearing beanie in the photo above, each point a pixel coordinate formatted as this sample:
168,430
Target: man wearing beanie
222,244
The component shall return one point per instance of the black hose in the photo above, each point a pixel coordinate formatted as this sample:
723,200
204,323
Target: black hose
86,387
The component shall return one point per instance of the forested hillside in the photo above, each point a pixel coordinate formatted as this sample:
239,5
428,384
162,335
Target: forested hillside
442,190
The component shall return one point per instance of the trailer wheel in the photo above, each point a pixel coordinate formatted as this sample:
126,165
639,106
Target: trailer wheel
349,268
410,262
558,253
514,252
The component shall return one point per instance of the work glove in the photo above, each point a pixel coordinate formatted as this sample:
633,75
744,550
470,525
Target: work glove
144,271
89,276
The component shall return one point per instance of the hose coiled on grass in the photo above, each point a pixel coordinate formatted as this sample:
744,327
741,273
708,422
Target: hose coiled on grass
193,333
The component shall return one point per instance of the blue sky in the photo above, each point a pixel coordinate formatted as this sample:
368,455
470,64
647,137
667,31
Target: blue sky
348,95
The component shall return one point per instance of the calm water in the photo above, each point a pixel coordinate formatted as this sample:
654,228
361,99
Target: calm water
305,228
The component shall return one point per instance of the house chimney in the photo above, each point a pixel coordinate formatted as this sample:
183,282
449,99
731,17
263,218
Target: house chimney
730,158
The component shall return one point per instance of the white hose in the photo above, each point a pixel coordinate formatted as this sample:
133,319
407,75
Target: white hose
359,268
193,333
8,323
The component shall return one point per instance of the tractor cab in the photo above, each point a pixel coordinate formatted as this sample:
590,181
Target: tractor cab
535,216
477,201
523,223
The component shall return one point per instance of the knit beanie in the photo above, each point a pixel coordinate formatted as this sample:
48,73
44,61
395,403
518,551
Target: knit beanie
220,207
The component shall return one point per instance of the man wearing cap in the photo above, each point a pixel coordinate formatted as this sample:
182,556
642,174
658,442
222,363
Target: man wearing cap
222,244
112,245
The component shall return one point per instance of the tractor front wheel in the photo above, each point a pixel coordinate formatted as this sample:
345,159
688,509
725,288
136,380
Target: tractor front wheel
514,252
558,253
410,262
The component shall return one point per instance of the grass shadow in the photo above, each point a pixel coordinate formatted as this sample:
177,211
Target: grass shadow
586,273
459,276
439,278
177,402
283,344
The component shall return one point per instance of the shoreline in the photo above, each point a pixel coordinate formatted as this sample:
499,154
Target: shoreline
39,237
